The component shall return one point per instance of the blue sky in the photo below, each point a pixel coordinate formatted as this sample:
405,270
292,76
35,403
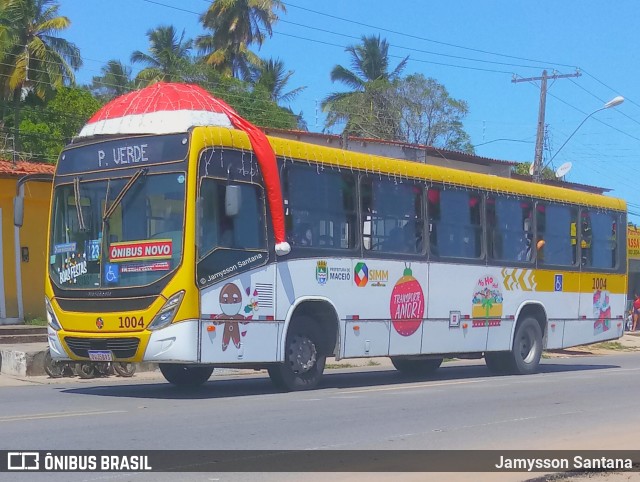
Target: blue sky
473,48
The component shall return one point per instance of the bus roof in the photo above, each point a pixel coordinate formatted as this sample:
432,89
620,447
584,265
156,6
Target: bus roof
330,156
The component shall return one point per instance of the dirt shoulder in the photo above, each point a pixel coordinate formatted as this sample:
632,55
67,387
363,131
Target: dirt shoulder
629,342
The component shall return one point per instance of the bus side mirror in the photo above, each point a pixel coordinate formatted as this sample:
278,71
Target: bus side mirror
18,211
232,200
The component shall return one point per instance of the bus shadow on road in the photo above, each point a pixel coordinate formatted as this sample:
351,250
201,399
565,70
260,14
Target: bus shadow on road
233,386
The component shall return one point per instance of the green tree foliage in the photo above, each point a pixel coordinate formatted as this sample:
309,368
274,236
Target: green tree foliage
168,57
272,77
365,109
522,168
254,105
369,113
428,115
34,57
384,105
47,128
114,81
235,25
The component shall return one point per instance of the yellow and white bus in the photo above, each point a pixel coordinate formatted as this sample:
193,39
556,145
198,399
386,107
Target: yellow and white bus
166,246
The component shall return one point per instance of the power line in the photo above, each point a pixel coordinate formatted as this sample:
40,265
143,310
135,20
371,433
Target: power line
595,118
626,98
411,59
601,100
358,38
425,39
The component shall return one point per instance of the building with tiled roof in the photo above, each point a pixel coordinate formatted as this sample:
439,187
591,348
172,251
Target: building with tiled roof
21,168
23,249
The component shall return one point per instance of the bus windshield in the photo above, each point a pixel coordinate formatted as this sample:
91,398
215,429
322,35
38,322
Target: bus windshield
117,232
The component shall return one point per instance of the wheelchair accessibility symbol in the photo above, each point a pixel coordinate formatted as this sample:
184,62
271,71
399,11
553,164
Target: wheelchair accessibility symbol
557,283
111,273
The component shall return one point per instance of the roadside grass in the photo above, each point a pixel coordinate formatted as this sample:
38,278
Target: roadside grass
333,366
594,349
611,345
35,322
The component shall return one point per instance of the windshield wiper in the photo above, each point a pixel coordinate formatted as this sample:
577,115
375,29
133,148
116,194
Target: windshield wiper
127,186
76,196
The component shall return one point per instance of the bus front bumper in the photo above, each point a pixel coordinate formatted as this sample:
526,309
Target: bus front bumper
177,342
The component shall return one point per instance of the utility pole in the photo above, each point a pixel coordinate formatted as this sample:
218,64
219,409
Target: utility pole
537,160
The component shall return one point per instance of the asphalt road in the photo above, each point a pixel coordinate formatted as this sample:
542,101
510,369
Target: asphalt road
584,402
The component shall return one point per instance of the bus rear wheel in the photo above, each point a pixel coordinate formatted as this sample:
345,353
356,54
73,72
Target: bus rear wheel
304,361
185,375
416,366
527,347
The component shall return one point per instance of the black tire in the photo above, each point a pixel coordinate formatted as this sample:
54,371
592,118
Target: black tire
416,366
53,368
527,347
185,375
125,369
103,369
498,362
86,370
304,360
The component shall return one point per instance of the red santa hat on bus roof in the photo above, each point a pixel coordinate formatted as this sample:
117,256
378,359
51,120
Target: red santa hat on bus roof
165,108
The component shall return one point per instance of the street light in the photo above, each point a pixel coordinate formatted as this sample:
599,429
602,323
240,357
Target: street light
537,169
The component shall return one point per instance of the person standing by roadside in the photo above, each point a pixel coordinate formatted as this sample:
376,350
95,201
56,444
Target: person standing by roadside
636,312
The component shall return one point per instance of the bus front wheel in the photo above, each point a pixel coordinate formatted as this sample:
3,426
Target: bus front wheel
527,347
416,366
304,362
185,375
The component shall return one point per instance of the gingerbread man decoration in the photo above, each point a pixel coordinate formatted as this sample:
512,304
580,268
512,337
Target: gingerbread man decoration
230,303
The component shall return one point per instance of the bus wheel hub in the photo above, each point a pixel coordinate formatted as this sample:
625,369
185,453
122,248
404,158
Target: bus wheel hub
303,354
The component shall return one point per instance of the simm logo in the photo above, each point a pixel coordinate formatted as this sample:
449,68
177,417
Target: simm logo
361,274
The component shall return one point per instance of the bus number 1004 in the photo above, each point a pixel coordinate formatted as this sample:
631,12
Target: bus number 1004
131,322
599,283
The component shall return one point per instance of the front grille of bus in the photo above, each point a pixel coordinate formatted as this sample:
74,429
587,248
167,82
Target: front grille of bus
121,347
105,305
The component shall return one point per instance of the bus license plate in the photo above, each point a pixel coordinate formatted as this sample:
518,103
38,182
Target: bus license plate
100,355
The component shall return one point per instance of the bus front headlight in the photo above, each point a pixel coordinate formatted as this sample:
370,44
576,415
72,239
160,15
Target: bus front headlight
167,313
51,316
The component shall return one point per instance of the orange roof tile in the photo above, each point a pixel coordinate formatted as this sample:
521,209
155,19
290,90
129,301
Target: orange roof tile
20,168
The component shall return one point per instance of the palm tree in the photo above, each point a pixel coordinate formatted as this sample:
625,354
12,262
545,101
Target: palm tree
167,58
114,81
235,25
34,56
272,77
369,80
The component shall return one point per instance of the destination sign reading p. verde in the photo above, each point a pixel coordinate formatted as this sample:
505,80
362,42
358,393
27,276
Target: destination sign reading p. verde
123,153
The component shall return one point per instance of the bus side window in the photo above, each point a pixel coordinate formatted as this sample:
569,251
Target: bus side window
458,229
599,235
320,207
585,239
554,227
509,234
244,230
394,219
